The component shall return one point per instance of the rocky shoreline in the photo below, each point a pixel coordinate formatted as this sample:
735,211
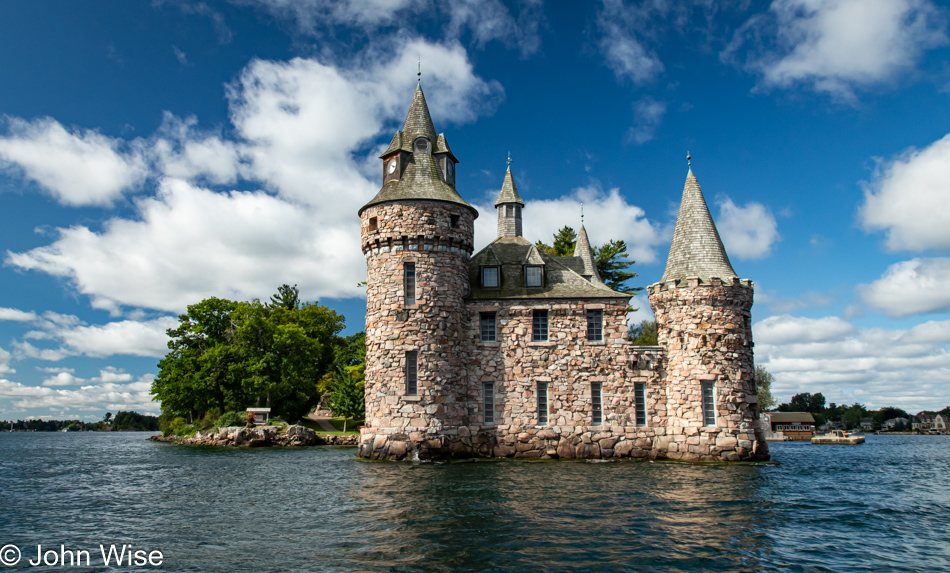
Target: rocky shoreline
261,436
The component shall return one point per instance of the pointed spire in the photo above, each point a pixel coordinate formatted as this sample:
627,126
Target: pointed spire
696,250
582,249
418,121
509,191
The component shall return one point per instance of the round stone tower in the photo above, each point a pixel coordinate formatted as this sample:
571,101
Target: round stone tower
417,236
704,321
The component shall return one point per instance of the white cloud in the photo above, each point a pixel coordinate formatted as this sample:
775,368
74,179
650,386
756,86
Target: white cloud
17,315
608,216
132,396
647,115
62,379
747,232
126,337
908,199
836,45
917,286
182,57
111,374
304,130
77,168
624,52
874,366
5,363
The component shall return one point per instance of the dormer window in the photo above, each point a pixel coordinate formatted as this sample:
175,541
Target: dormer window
491,277
533,276
421,145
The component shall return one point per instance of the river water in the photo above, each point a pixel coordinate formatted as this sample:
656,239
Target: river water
881,506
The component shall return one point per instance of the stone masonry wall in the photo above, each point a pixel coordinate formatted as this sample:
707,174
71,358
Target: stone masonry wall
420,232
707,333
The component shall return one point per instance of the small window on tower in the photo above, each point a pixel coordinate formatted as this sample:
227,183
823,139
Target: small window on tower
454,221
372,223
422,145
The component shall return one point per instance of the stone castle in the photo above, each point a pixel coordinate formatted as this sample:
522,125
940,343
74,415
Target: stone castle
510,352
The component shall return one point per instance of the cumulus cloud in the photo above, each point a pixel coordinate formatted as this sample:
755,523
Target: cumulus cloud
837,45
608,215
623,49
917,286
5,363
305,131
16,315
647,115
747,232
85,400
485,20
873,366
62,379
79,167
75,338
908,199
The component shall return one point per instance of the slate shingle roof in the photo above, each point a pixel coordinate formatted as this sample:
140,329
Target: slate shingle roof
561,281
696,250
421,178
583,251
509,191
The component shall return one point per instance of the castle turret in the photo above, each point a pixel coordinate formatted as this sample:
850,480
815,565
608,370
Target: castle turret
509,206
417,236
582,249
703,318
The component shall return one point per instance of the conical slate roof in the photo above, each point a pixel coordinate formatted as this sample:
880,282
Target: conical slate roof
696,250
582,249
420,178
509,191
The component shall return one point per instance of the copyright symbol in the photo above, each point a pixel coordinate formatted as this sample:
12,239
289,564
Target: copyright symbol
9,555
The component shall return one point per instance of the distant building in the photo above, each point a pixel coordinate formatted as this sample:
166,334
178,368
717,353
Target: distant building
922,422
894,423
867,424
790,426
942,422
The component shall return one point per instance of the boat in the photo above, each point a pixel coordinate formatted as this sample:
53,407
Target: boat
838,437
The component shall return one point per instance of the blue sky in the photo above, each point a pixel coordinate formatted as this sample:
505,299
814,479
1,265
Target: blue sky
156,153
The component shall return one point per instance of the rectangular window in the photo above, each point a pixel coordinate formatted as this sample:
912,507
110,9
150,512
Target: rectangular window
490,278
597,415
486,326
640,403
409,283
539,325
542,403
709,404
595,325
488,393
533,276
453,221
412,370
372,223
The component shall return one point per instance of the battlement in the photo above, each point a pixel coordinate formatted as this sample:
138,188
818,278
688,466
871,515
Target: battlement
693,282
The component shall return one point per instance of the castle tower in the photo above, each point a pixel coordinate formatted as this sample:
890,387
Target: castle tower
509,206
582,249
417,236
703,318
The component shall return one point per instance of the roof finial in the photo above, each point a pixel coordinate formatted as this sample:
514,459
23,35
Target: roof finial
509,161
689,163
419,71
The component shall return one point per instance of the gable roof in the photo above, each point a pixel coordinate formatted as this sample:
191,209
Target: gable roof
512,253
696,249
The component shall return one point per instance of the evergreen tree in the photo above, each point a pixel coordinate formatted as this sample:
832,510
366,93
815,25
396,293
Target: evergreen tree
610,259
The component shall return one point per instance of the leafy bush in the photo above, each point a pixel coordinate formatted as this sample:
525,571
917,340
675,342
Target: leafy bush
174,427
207,421
231,419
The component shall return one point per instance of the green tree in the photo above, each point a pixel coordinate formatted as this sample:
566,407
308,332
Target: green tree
564,241
347,397
853,416
287,297
763,386
644,334
612,264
